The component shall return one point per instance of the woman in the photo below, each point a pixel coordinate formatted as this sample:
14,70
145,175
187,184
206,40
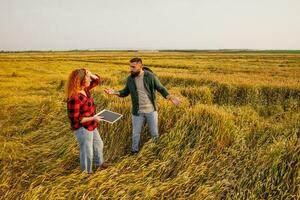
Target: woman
81,111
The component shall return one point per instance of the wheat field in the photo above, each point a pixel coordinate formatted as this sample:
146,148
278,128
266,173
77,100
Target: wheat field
235,135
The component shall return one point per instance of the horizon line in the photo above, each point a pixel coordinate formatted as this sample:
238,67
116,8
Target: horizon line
147,49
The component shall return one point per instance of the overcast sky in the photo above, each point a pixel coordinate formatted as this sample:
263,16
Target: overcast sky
149,24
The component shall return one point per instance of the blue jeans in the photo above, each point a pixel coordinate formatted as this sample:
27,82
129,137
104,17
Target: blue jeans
91,145
137,124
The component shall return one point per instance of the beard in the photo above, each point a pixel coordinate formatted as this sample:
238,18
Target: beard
135,74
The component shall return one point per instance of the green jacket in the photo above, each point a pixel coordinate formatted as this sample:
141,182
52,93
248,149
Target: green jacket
151,84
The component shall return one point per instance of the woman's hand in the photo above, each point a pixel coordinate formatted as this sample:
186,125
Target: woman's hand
89,74
94,118
97,119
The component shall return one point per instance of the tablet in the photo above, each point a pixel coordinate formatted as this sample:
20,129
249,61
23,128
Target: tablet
109,116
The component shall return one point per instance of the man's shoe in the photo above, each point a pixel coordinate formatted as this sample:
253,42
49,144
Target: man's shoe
133,153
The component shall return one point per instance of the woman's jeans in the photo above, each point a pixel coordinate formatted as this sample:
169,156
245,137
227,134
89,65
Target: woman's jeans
91,145
137,124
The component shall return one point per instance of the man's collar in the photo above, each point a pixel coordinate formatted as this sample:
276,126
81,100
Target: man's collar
142,73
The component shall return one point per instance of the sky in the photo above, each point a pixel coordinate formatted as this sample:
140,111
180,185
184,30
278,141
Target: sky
149,24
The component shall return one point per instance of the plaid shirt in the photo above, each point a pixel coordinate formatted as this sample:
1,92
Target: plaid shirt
81,106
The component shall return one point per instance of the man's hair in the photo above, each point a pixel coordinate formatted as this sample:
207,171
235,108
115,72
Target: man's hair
137,60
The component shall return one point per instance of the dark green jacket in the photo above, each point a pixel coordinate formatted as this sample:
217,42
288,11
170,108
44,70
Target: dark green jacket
151,84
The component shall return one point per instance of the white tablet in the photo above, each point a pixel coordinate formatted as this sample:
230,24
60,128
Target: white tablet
109,116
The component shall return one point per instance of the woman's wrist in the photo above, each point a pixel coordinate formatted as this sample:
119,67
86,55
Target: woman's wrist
87,119
94,76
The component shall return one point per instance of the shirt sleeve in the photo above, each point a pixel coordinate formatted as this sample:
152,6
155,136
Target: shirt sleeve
125,92
94,82
160,88
74,104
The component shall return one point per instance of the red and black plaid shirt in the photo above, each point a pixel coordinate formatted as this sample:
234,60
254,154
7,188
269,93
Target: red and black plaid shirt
81,106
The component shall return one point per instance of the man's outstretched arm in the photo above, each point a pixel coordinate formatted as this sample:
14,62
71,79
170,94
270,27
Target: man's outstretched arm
164,92
122,93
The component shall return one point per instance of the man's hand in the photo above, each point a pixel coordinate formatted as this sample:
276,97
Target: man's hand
174,100
97,119
110,91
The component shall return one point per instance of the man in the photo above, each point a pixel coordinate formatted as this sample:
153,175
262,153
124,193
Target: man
141,85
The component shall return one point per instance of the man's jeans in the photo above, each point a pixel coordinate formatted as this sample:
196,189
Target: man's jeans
90,144
137,124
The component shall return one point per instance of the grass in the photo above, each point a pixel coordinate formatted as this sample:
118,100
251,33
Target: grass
235,136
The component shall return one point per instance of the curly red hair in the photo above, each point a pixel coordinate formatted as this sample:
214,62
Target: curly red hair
75,82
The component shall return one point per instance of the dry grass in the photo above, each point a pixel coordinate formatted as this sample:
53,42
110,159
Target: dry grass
236,135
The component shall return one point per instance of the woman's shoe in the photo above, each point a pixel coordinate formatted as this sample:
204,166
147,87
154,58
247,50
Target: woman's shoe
104,165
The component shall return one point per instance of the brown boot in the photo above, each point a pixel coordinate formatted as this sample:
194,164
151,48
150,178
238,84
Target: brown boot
104,165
